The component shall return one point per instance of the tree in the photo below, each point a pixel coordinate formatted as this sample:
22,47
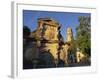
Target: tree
26,31
83,35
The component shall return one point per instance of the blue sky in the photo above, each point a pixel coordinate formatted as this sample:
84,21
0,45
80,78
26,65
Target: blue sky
66,19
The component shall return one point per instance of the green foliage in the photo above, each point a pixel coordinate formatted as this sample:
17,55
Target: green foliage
83,37
26,31
72,46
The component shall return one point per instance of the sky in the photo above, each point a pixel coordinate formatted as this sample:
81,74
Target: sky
65,19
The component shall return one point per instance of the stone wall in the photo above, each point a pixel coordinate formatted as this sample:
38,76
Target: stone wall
47,40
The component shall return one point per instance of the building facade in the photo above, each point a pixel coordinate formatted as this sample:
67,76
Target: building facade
47,47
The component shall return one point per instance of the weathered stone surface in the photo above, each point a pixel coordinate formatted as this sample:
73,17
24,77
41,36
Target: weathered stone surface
69,35
48,33
48,40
